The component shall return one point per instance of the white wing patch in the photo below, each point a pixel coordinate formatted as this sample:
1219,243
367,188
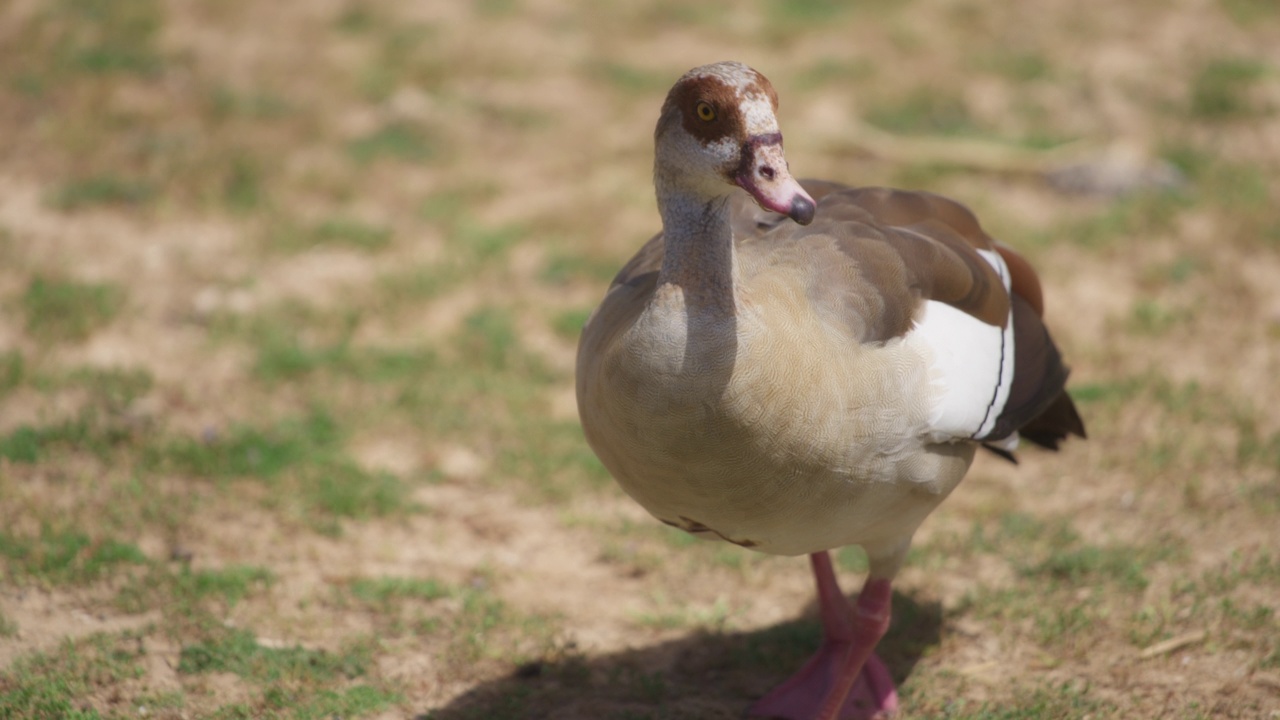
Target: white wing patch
971,369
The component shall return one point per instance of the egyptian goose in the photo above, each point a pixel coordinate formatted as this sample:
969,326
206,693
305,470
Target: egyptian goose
814,372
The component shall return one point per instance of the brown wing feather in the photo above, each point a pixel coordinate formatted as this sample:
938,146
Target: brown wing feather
922,245
919,242
1025,281
1038,406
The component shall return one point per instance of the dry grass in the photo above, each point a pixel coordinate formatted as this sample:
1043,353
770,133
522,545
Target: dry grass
291,293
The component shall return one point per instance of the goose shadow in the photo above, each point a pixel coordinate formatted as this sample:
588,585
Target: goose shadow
705,675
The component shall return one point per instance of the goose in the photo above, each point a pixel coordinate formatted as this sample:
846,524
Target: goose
796,366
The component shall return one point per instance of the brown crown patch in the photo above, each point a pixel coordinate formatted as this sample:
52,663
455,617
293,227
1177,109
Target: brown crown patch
706,84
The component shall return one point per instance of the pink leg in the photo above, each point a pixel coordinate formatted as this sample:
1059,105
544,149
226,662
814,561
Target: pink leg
844,680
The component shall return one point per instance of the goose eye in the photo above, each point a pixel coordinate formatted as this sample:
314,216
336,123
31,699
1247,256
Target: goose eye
705,112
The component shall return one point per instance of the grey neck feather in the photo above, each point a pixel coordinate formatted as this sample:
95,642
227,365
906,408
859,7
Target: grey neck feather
698,255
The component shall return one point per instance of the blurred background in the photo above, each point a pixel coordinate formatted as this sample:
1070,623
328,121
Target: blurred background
289,299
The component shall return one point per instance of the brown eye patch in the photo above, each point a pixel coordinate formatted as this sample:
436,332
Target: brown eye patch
694,97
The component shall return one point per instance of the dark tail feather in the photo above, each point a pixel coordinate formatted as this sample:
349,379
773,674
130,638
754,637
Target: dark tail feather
1039,408
1048,428
1053,425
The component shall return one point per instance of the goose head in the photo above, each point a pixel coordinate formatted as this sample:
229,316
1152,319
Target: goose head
719,130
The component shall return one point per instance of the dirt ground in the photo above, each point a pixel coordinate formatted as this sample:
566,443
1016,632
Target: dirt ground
290,295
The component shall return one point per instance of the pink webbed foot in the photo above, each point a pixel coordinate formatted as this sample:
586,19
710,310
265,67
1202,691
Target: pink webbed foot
844,680
872,696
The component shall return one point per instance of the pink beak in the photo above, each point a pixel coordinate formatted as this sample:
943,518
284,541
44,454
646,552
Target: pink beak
764,174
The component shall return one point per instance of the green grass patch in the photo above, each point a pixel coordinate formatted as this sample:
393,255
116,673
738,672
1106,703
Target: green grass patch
712,618
24,445
1053,550
65,556
243,184
300,459
226,103
1067,701
1249,13
8,628
926,111
283,356
1213,599
1017,65
100,427
109,389
230,584
569,323
562,268
483,617
342,489
1078,585
405,55
102,37
351,233
90,431
287,358
554,459
805,13
628,79
484,243
828,71
356,19
450,205
293,346
356,701
851,558
489,338
1137,215
237,651
385,590
1255,568
102,190
1150,317
66,310
245,450
112,389
1124,566
334,232
418,284
1221,89
54,684
401,141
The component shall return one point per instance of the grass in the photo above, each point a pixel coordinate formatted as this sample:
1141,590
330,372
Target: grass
65,556
299,439
380,591
238,652
1081,585
231,584
302,463
102,190
245,450
398,141
54,684
1220,91
351,233
714,618
89,431
66,310
99,37
12,370
925,111
1018,66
